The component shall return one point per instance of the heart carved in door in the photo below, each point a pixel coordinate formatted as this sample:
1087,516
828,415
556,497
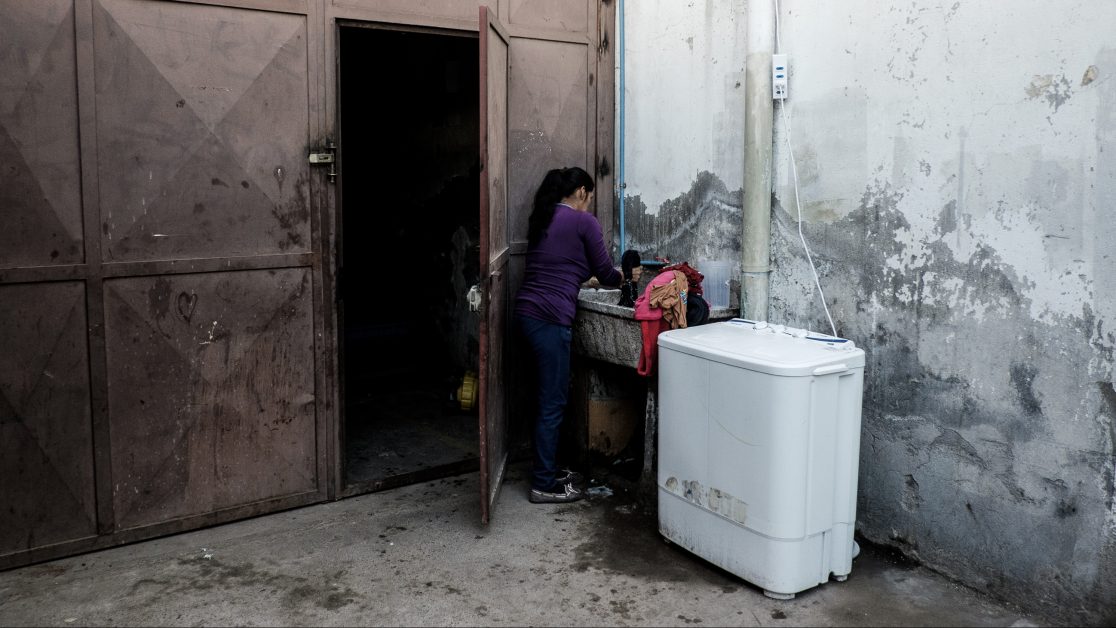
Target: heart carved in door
186,305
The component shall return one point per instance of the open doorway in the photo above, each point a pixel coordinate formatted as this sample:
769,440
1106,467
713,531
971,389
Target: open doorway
409,242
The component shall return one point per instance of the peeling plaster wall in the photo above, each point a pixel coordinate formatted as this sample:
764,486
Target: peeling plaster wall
958,179
684,127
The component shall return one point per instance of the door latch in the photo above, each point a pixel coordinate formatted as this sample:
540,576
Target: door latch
325,156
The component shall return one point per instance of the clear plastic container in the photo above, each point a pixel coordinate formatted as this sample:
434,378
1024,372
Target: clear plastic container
715,286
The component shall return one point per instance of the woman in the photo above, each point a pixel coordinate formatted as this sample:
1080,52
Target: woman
564,249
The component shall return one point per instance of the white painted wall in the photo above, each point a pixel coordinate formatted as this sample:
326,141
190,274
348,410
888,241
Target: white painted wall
685,95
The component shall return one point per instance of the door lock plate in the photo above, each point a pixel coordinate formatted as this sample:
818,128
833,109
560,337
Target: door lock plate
319,157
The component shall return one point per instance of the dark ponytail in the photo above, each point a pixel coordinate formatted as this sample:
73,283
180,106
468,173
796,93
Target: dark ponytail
556,185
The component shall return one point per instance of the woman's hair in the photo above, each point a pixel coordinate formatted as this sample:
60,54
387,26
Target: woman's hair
556,185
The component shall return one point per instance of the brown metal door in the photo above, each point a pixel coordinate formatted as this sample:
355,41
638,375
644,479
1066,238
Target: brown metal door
494,255
203,127
160,268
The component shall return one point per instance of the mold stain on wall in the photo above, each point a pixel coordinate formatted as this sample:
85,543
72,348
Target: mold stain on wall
989,433
701,223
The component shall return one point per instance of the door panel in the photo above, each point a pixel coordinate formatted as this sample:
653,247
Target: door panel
494,254
189,102
40,179
547,115
46,451
202,130
210,391
570,16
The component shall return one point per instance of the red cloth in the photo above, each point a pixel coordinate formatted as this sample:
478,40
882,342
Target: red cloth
692,276
650,354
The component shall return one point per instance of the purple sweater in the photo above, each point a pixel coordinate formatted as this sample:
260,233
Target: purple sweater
571,252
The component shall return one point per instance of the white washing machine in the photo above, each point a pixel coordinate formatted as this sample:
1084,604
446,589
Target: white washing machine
759,440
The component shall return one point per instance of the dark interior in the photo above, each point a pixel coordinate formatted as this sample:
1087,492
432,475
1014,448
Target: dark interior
409,111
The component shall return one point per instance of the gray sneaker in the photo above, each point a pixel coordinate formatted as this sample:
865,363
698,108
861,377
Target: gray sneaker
560,494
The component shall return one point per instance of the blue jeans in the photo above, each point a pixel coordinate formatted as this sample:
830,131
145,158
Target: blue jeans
550,344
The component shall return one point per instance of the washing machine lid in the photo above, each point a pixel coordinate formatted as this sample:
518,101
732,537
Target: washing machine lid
759,346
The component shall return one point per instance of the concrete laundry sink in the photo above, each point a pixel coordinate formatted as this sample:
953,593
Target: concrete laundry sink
608,332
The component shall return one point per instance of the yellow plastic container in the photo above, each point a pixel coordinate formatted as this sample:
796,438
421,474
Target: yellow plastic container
467,392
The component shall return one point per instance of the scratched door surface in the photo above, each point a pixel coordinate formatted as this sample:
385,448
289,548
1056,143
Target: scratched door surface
160,268
211,391
202,133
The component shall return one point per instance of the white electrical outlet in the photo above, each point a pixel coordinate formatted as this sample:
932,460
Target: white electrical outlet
779,73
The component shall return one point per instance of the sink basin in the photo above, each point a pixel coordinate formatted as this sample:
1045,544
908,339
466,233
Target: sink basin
606,331
599,295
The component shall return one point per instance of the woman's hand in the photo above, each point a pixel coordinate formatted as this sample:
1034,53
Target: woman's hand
637,271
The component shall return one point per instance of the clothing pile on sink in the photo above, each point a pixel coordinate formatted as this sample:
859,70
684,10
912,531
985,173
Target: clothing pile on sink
672,300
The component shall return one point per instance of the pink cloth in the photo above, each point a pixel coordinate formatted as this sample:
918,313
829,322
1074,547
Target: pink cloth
650,331
643,309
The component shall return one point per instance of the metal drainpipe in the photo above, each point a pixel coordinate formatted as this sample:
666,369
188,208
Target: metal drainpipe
758,117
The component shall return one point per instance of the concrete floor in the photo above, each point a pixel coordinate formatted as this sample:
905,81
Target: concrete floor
419,556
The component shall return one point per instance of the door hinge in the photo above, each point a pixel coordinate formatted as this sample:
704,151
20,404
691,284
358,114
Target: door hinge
327,155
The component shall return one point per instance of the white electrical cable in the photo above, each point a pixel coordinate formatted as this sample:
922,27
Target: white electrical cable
778,28
794,176
798,205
